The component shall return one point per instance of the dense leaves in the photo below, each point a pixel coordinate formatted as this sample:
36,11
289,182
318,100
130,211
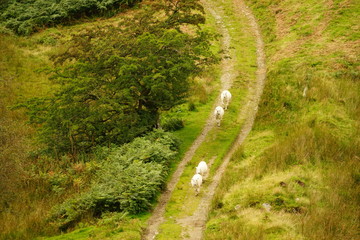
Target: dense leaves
25,17
128,179
113,81
172,124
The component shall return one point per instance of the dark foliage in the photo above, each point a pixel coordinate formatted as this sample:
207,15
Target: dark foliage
128,179
173,124
26,17
113,81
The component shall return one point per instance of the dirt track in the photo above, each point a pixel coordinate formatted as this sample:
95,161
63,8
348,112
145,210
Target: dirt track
194,225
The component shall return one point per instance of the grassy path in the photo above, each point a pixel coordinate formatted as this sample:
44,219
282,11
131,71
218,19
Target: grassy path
180,214
227,76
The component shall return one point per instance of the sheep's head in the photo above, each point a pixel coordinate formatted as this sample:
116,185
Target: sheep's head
197,170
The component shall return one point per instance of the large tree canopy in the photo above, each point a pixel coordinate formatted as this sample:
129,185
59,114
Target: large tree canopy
114,79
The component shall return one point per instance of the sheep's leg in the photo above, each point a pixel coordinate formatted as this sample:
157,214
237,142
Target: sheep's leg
196,191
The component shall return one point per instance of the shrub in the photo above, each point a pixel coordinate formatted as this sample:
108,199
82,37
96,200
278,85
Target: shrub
25,17
128,180
117,189
165,138
192,106
173,124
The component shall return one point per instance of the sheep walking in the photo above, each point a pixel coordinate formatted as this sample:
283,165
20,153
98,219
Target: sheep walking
218,113
196,182
202,168
225,98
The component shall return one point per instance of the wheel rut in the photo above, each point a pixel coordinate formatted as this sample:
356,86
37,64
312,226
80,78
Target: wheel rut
194,225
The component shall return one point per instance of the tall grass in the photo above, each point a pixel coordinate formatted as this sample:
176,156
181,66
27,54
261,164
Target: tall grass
31,184
20,208
302,156
313,139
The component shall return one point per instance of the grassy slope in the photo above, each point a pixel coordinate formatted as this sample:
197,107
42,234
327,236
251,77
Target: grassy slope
310,144
18,207
115,226
20,56
204,93
183,201
311,139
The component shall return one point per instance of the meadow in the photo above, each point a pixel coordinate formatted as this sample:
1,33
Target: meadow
44,193
302,156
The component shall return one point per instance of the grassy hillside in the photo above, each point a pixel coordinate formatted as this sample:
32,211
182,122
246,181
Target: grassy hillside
302,156
31,183
183,201
19,208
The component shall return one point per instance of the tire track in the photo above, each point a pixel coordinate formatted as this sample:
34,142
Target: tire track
195,224
227,66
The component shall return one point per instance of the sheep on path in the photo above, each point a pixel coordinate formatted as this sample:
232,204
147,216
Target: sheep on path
196,182
202,168
225,98
218,113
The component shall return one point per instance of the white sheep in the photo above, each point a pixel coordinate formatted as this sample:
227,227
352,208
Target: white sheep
218,113
196,182
225,98
202,168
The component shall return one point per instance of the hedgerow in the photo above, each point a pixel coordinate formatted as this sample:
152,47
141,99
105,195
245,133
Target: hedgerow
26,17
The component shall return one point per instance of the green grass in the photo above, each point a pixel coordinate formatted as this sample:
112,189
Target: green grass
313,139
112,225
83,233
33,53
17,81
183,201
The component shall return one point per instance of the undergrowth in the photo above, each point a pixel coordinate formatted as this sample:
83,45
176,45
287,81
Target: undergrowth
26,17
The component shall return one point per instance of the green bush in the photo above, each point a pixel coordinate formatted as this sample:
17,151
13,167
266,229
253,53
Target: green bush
25,17
128,180
173,124
118,188
165,138
192,107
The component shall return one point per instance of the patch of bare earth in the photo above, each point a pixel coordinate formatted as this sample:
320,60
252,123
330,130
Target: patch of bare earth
193,226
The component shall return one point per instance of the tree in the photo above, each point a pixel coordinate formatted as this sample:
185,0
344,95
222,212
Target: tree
114,80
